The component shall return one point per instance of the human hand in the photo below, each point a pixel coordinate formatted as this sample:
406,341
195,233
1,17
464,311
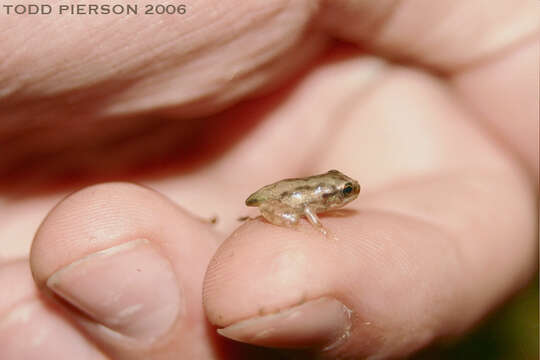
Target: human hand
443,231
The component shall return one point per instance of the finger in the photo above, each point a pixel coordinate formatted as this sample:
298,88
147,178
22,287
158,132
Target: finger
171,64
441,35
493,71
127,265
32,327
367,293
506,89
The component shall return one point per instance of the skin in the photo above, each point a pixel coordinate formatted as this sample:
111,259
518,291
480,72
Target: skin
283,202
431,106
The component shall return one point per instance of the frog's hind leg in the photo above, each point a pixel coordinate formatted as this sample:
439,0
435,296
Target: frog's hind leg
278,214
314,220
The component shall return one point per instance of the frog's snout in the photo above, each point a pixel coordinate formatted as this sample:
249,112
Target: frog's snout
357,188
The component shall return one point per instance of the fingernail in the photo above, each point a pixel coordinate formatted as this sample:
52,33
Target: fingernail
129,288
323,323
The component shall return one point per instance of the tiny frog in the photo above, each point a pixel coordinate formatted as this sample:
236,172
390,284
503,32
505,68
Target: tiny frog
284,202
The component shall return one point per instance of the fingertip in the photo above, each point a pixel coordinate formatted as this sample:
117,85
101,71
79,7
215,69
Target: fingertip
260,269
85,221
101,216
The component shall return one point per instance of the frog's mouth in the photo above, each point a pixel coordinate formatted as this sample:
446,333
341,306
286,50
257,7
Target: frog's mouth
349,199
344,201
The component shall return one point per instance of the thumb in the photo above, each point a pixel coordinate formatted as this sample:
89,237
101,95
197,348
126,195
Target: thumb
127,266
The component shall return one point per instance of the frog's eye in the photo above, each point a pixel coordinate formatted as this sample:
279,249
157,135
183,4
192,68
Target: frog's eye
347,189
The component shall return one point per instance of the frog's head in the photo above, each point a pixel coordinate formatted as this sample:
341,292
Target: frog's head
345,189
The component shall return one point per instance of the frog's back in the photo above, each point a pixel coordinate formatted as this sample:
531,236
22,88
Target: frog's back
272,192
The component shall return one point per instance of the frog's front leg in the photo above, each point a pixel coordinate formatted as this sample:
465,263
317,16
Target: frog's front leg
278,213
314,220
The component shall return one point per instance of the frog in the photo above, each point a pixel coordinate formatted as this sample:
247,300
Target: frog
284,202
